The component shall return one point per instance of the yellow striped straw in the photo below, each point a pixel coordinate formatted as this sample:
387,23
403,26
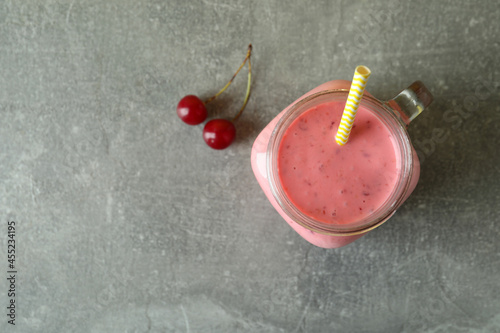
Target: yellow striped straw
358,84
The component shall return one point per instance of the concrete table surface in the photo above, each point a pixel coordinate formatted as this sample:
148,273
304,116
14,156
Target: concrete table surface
127,222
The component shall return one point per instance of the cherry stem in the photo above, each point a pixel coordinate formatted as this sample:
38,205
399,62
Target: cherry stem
249,84
231,81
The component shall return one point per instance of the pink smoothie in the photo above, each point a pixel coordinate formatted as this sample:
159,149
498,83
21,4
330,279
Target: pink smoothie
305,193
337,184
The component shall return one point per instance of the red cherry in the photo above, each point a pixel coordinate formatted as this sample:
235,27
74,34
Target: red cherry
219,133
192,110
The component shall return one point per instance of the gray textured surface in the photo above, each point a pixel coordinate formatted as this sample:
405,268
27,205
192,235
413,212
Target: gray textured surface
127,222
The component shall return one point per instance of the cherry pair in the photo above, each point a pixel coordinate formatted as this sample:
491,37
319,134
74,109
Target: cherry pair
217,133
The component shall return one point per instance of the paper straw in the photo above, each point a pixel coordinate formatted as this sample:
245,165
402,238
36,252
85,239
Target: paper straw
358,84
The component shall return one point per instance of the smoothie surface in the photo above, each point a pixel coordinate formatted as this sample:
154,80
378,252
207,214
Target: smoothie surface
331,183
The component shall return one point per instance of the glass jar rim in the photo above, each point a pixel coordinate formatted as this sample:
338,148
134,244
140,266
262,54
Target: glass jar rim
386,210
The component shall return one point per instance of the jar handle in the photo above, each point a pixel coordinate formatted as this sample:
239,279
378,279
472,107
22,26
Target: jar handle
410,102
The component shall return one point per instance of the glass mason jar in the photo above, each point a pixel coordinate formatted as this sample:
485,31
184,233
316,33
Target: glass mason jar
395,114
